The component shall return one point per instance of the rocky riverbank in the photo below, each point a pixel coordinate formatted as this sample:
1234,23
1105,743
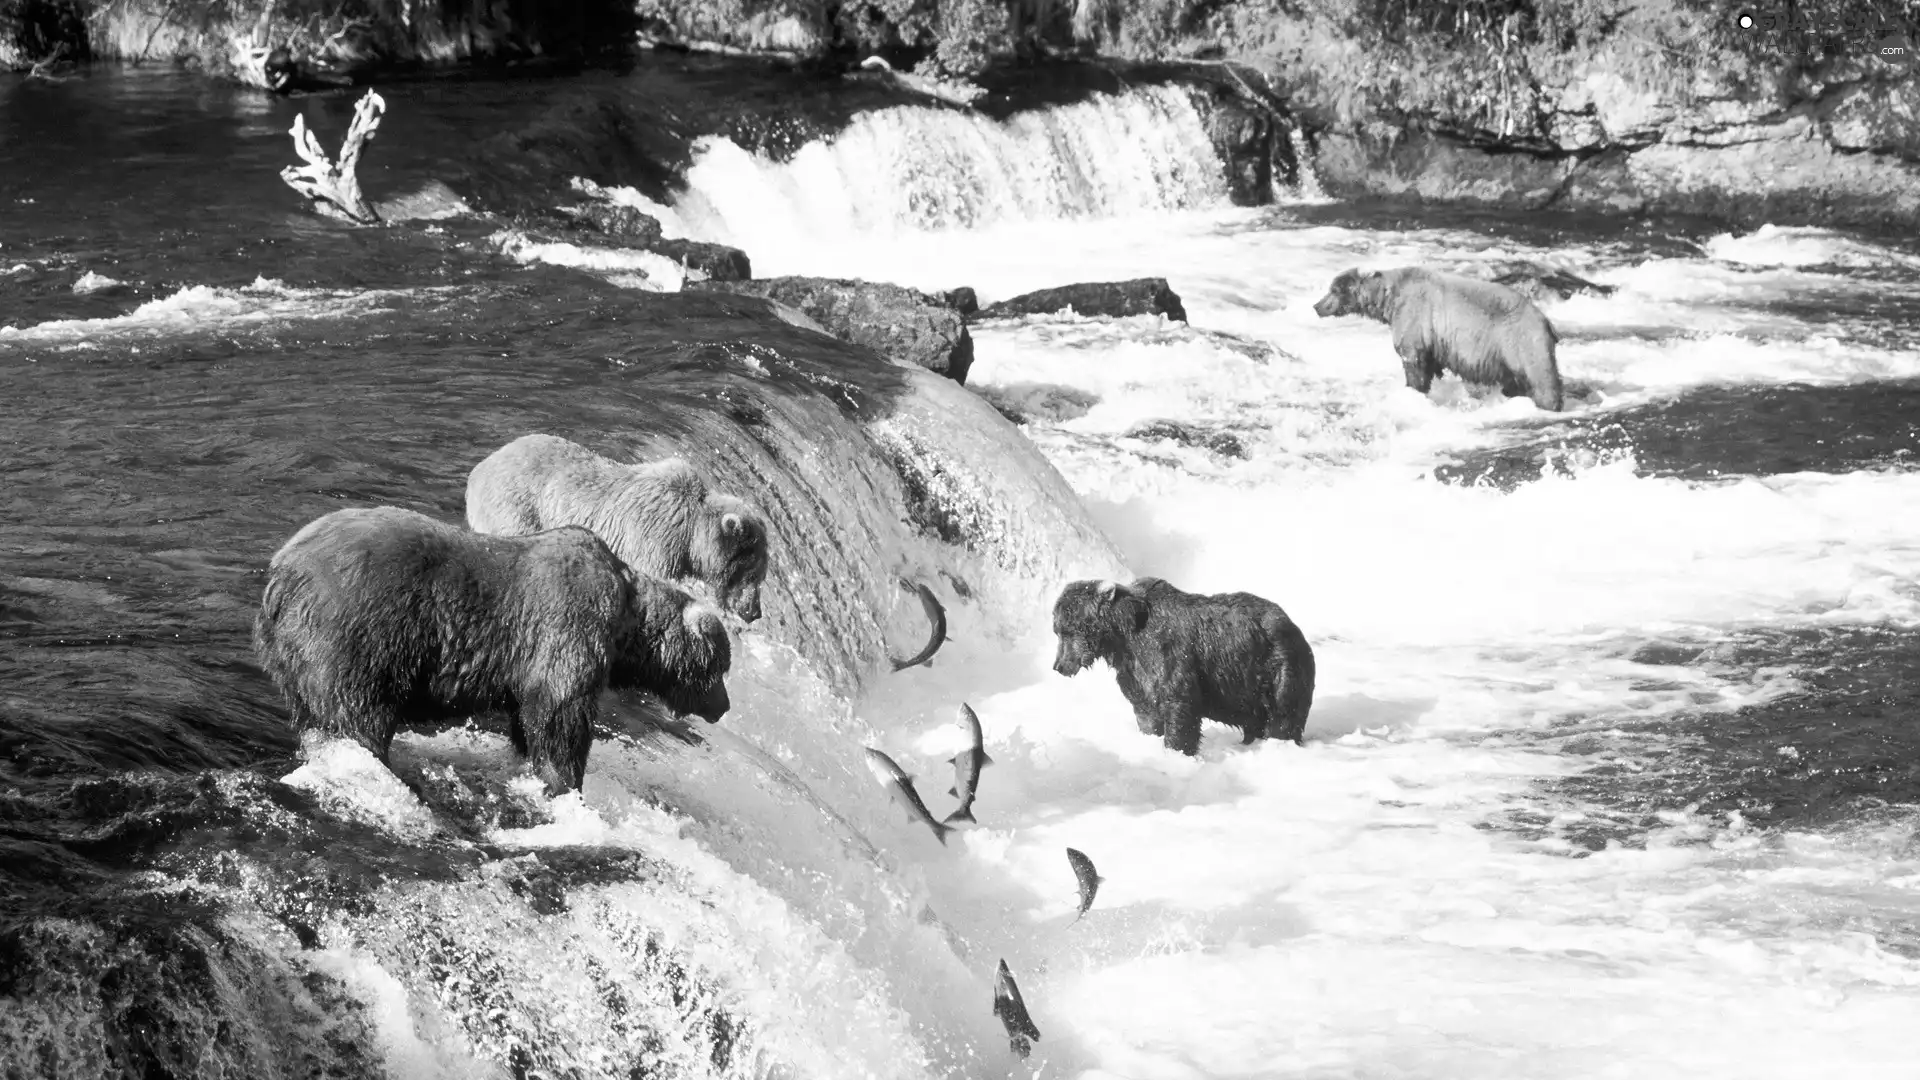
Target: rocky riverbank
1512,112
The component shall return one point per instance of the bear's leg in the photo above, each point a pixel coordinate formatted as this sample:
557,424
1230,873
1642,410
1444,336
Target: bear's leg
1255,728
1183,731
372,726
1547,395
1419,372
558,734
1146,712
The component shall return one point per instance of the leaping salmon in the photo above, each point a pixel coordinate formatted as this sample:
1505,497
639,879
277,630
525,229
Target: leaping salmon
1012,1011
1089,879
937,616
967,765
900,785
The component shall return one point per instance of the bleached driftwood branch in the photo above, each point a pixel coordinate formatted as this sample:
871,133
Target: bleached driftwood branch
335,189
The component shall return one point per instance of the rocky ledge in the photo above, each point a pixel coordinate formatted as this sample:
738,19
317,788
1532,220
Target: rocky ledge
1843,151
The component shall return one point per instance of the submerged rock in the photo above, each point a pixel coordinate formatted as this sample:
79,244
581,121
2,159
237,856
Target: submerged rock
1224,443
1538,282
625,226
1140,296
718,261
616,219
962,300
899,322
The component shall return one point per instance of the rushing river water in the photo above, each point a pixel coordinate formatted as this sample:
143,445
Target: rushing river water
1613,766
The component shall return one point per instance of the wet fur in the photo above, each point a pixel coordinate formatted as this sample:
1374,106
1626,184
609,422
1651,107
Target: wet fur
1487,334
373,618
662,517
1182,657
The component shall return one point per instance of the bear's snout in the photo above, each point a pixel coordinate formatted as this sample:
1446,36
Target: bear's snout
715,704
746,604
1328,306
1068,661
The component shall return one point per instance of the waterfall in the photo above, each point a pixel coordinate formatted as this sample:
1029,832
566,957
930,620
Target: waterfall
918,169
1306,187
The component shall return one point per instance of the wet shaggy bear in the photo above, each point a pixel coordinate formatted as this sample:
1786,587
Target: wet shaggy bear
373,618
1180,657
661,518
1485,333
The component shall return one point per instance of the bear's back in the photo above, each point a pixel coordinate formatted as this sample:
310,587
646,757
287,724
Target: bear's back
1429,291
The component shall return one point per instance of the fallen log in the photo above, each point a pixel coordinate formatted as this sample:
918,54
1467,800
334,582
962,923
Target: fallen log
334,189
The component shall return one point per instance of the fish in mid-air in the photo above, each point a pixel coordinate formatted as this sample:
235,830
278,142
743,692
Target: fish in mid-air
1012,1011
937,629
1089,879
967,765
895,779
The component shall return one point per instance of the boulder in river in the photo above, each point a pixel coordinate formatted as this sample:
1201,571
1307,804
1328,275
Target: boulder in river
962,300
899,322
718,261
1140,296
616,219
628,226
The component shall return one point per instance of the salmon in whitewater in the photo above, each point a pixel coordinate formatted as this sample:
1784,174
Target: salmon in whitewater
936,628
967,765
1012,1011
900,785
1087,877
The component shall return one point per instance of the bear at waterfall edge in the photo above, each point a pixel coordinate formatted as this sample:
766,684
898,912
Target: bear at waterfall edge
661,518
374,618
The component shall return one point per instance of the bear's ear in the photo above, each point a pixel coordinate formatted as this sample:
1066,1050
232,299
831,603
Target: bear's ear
1129,611
627,580
1112,590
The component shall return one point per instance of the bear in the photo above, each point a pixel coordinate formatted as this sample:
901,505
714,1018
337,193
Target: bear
661,518
1487,334
1180,657
376,617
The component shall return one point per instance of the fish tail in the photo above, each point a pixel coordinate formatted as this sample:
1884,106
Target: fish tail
965,814
941,831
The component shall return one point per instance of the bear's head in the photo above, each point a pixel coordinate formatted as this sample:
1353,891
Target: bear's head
732,556
1353,293
673,647
1095,620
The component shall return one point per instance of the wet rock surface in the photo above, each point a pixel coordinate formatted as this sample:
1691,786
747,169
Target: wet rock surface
1117,299
892,320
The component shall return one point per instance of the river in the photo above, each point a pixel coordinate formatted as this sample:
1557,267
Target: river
1612,769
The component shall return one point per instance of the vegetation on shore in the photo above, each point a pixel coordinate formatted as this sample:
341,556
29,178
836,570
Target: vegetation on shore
1491,66
1503,68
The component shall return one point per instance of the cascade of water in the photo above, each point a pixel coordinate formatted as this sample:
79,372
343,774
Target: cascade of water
917,169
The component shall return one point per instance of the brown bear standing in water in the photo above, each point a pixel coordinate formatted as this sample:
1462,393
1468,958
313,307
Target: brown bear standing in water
661,518
373,618
1180,657
1485,333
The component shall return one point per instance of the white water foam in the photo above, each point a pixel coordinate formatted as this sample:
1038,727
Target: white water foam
1340,910
204,308
625,267
913,169
1789,245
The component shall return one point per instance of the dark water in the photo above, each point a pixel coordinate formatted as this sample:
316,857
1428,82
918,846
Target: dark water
1715,432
